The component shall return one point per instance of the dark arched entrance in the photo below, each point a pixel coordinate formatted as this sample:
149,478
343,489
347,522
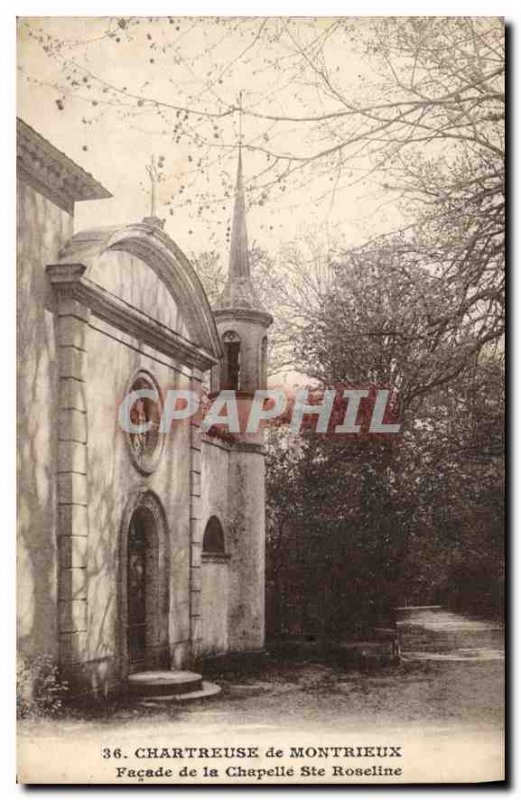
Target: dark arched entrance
144,587
140,575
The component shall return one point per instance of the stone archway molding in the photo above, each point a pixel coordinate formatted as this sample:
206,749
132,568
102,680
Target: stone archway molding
157,635
148,242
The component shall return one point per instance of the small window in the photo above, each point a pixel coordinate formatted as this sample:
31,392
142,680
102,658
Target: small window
213,539
232,361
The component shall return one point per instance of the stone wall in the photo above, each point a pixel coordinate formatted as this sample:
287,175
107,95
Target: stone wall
214,604
215,501
111,484
233,490
247,549
43,227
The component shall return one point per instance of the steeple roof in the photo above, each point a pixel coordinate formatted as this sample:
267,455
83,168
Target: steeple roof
239,291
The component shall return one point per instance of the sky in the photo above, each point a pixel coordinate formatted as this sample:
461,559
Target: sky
113,92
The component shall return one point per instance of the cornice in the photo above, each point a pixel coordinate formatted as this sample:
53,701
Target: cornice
70,279
247,314
249,447
51,172
233,444
216,558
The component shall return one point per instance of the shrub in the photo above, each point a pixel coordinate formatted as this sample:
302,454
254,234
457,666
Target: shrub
40,690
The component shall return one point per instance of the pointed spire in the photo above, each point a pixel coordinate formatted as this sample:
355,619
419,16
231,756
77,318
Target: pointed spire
239,259
239,291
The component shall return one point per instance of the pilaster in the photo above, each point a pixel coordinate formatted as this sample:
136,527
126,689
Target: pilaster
196,533
73,526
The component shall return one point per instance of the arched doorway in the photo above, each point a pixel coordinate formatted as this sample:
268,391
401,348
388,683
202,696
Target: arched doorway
144,587
140,575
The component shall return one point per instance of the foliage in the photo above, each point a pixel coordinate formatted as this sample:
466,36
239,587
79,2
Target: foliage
390,317
408,109
40,690
359,525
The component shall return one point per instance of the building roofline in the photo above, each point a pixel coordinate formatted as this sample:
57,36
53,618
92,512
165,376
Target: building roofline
148,242
53,173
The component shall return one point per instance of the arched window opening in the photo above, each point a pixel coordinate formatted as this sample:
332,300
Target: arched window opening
213,539
232,361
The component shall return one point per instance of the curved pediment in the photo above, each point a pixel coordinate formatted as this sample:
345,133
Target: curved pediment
143,268
129,278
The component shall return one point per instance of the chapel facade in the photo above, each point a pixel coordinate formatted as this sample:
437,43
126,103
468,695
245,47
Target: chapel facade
136,552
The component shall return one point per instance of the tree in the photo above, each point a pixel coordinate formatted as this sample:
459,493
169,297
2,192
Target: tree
363,524
392,316
411,108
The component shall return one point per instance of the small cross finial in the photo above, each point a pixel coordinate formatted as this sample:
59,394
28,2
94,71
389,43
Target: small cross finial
153,174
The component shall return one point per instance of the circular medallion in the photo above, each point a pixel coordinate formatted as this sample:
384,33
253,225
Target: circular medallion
146,446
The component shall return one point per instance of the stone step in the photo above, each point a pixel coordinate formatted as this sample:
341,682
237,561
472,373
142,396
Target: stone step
164,683
208,690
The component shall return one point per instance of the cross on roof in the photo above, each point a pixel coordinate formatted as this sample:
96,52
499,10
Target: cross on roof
154,175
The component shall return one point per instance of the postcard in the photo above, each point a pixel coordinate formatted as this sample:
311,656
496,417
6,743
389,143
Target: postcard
260,400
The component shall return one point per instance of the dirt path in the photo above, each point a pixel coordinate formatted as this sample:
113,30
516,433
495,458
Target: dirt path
447,691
